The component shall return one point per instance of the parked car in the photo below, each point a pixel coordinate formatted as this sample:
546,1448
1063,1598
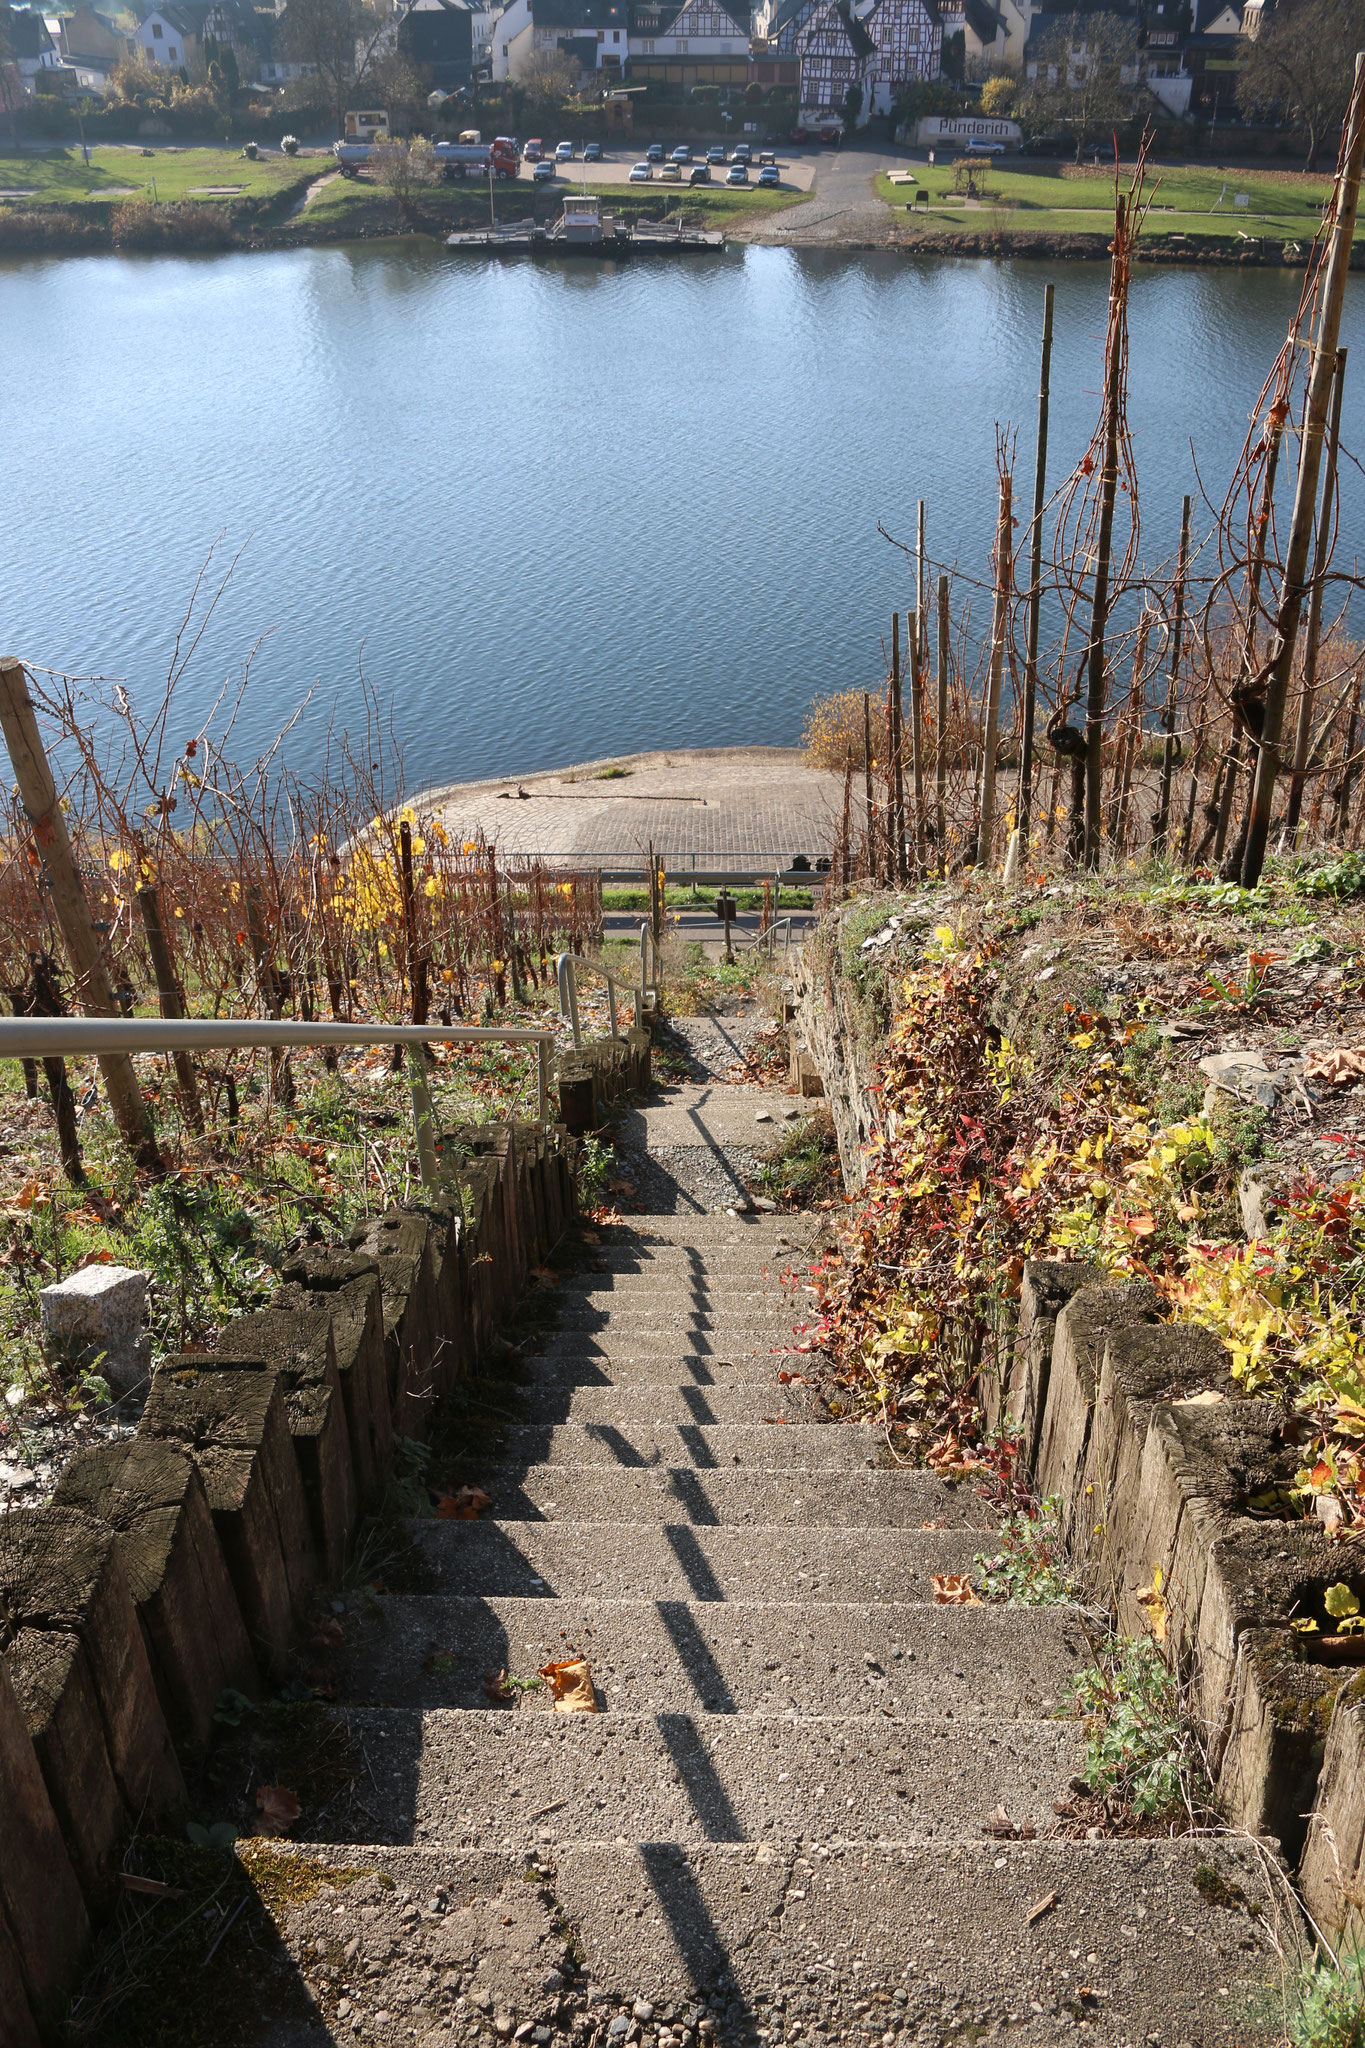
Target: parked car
683,153
743,153
671,174
565,152
534,150
592,152
655,153
738,174
768,174
767,156
640,174
700,174
977,145
544,172
716,153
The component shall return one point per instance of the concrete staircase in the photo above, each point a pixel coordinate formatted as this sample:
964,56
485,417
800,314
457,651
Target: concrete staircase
785,1822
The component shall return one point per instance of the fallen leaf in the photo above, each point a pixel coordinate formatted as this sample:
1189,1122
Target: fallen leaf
546,1277
1158,1613
954,1589
1337,1066
572,1682
327,1632
496,1687
465,1506
278,1807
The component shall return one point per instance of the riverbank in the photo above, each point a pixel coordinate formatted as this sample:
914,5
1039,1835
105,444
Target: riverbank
201,200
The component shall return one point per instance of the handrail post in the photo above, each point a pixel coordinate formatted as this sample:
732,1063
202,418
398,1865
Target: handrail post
611,1005
423,1117
568,996
543,1063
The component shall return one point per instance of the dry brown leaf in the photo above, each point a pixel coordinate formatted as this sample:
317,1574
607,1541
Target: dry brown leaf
278,1807
1338,1066
327,1632
954,1589
1158,1613
465,1506
496,1687
572,1682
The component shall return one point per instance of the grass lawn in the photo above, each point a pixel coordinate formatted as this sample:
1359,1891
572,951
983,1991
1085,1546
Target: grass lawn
59,178
1188,199
354,202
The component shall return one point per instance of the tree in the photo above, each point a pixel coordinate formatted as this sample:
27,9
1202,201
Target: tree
11,87
998,95
548,75
341,40
853,104
403,169
1300,66
1084,83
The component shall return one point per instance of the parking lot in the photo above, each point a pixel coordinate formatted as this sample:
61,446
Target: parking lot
796,165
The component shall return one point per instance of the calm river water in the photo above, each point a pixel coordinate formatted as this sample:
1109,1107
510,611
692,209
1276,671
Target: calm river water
559,512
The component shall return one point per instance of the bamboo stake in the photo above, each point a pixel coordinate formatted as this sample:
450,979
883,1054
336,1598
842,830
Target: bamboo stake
1132,736
1321,374
917,647
1003,572
898,738
170,1000
1025,805
941,736
1161,823
38,794
867,787
1099,610
1310,652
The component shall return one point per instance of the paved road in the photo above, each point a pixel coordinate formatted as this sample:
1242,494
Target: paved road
843,207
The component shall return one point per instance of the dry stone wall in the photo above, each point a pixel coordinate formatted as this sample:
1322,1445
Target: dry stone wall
184,1559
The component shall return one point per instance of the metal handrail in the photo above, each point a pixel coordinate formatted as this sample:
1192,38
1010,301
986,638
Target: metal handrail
768,938
566,969
73,1037
649,957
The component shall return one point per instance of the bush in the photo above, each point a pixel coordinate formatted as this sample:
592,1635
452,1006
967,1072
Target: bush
251,150
833,734
138,224
56,227
706,94
998,96
289,144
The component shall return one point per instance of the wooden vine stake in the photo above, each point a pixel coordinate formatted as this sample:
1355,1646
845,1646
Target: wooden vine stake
170,1000
1004,566
1321,376
38,793
1035,586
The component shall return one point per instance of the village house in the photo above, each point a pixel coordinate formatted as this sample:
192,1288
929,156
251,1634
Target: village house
592,34
994,33
895,44
439,35
701,42
33,48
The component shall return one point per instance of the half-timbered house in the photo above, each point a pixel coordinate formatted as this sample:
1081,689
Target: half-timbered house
834,48
701,42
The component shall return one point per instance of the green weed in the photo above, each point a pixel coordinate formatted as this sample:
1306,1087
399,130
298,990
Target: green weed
1028,1567
1140,1747
1330,2007
594,1164
805,1166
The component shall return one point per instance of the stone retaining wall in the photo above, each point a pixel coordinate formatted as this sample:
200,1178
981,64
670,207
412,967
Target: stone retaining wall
185,1559
1137,1427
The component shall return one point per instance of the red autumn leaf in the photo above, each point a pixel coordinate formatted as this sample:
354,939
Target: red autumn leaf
465,1506
327,1632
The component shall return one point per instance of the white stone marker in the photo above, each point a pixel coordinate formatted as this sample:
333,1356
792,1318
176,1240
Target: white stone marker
100,1309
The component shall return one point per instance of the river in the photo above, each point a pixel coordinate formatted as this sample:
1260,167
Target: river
560,512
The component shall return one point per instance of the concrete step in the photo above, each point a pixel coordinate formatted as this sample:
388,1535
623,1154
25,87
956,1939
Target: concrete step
579,1365
633,1290
751,1656
662,1311
679,1561
494,1777
628,1407
925,1943
660,1493
643,1340
767,1447
774,1255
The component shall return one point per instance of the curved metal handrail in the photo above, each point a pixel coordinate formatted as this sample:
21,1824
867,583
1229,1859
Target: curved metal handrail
768,938
649,958
72,1037
566,970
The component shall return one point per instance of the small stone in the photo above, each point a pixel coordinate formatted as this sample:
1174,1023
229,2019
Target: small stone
343,2007
618,2027
503,2024
97,1314
526,2027
763,1116
642,2009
